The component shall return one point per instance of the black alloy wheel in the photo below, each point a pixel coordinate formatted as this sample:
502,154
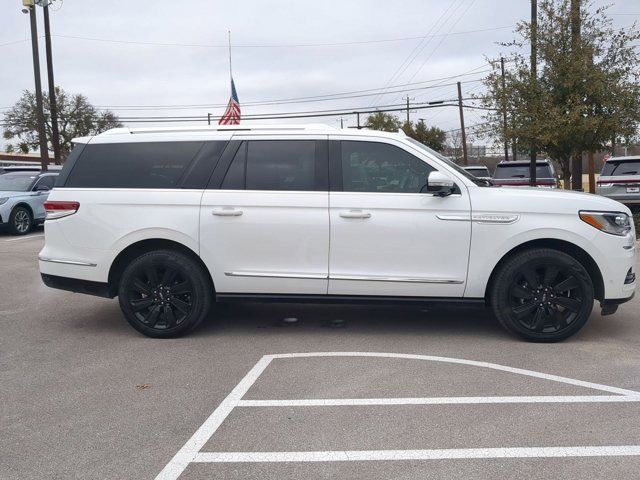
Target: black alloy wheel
164,294
543,295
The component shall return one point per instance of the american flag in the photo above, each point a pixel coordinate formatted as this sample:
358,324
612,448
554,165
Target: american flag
232,113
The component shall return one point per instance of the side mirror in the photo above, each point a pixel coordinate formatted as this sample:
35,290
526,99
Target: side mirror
42,188
440,184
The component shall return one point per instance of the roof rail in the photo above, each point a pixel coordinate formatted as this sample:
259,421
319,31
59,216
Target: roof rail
217,128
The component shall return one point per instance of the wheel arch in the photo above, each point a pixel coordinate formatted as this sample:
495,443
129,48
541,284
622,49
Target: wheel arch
144,246
564,246
25,205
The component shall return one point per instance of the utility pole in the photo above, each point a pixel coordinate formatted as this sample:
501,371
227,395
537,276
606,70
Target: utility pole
534,79
465,160
42,133
407,111
504,112
576,161
53,105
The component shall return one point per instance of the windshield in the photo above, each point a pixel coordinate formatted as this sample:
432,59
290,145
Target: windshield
521,171
16,182
621,168
457,168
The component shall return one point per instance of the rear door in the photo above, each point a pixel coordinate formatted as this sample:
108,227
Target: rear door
388,237
264,218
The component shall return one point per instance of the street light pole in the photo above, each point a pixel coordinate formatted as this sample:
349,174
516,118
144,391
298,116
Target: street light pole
42,134
53,104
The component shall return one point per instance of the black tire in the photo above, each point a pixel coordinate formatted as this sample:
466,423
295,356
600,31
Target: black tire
20,221
542,295
165,294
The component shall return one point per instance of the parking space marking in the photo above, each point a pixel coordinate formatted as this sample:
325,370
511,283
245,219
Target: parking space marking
28,237
434,454
190,451
342,402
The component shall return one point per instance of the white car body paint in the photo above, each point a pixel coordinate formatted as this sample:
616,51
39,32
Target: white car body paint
414,245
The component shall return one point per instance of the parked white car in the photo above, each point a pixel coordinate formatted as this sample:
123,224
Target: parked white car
171,220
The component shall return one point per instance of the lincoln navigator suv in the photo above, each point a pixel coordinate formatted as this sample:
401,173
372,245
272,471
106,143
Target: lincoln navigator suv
172,220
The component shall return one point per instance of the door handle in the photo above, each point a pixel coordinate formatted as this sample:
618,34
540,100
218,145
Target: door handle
226,212
355,214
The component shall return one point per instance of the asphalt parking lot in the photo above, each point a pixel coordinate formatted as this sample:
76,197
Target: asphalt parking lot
390,393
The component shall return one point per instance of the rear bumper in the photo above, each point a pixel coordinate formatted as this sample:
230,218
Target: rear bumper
76,285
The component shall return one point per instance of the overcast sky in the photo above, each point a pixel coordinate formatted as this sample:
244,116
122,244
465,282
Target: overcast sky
134,73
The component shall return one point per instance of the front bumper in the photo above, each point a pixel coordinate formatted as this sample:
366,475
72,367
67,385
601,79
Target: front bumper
609,307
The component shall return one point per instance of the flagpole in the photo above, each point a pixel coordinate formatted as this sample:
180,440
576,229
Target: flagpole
230,70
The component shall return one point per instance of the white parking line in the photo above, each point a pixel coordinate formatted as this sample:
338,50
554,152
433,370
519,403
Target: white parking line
190,451
340,402
28,237
435,454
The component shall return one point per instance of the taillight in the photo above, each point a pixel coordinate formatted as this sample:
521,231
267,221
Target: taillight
56,209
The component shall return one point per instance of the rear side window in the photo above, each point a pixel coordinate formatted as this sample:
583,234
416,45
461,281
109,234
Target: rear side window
133,165
621,168
283,165
504,171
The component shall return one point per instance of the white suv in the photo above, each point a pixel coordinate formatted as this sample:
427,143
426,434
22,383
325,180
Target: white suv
172,220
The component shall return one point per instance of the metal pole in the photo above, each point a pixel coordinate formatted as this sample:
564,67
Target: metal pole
465,160
504,112
534,76
53,105
407,111
358,120
208,119
42,134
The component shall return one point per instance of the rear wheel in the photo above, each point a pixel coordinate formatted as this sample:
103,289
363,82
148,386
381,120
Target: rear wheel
542,295
20,221
165,294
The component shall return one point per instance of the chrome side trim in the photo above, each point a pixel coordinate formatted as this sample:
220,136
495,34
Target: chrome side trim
375,278
495,218
483,218
363,278
312,276
67,262
454,218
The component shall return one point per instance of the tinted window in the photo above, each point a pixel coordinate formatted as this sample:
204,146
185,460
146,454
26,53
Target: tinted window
280,165
133,165
621,168
234,179
521,171
47,180
379,167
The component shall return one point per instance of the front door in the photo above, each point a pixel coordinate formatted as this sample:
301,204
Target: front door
388,238
265,228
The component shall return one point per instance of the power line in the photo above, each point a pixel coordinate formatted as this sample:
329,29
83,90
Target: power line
316,98
285,45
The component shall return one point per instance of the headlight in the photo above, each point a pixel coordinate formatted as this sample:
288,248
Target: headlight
3,200
615,223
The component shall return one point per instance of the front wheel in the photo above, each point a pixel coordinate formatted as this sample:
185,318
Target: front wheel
20,221
165,294
542,295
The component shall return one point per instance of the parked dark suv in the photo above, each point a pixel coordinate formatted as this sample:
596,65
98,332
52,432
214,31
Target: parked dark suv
516,174
620,180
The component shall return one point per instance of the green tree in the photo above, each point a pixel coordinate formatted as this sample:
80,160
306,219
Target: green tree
587,93
433,137
383,121
76,118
